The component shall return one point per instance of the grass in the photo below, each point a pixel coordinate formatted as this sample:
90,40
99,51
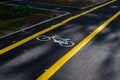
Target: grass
73,3
10,25
13,18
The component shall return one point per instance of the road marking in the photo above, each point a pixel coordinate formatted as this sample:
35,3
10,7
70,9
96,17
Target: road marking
57,39
6,49
55,67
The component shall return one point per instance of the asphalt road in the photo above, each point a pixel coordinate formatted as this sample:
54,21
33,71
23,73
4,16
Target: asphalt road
97,59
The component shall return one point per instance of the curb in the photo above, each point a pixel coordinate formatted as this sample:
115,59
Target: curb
23,29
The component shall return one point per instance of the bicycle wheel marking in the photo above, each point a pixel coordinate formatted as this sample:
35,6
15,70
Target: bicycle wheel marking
57,39
43,38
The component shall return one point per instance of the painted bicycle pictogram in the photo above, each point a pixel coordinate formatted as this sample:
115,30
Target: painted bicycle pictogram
57,39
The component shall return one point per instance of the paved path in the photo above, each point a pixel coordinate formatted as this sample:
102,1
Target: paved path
81,46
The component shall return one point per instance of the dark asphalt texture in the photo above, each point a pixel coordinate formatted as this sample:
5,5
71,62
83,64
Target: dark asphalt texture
98,60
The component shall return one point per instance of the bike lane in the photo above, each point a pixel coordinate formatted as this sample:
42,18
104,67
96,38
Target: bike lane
98,60
33,58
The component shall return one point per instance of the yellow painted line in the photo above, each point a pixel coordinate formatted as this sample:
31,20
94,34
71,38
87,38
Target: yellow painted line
6,49
55,67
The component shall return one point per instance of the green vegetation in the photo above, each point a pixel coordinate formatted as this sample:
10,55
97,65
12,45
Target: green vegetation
10,25
16,17
74,3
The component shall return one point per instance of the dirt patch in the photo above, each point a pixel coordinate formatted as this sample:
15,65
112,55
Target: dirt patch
13,18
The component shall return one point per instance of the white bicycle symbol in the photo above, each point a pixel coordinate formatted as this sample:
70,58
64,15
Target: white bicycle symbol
57,39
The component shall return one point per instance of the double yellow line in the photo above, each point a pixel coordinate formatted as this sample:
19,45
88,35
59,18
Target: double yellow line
6,49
